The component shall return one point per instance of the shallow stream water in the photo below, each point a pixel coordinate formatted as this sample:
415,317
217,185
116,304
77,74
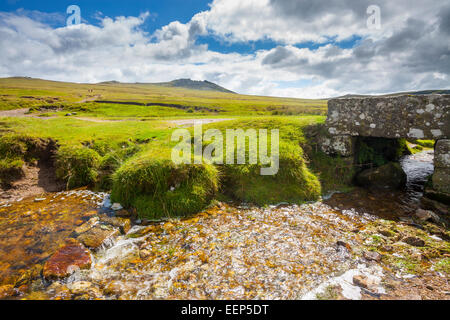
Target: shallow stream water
227,252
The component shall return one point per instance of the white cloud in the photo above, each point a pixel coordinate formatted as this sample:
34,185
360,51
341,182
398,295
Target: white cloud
410,52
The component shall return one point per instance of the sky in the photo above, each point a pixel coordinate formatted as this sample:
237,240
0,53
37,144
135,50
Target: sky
286,48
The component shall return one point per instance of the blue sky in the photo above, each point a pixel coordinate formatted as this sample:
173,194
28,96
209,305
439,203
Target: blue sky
166,11
295,48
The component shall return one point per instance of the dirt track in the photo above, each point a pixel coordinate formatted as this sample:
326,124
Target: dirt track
191,122
15,113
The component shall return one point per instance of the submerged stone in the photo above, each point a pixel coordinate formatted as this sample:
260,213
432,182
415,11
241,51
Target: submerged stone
95,237
122,223
85,290
123,213
87,226
361,281
59,290
73,255
389,175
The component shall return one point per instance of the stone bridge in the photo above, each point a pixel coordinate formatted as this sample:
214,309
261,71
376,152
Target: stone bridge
407,116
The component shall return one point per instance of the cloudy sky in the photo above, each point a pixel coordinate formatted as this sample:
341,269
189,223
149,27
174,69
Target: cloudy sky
291,48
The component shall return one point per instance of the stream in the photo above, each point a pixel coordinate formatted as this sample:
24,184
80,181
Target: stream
227,252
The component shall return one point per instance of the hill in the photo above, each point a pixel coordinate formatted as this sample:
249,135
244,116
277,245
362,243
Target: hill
194,85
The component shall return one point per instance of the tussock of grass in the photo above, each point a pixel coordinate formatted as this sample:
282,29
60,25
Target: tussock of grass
77,166
159,188
293,183
112,160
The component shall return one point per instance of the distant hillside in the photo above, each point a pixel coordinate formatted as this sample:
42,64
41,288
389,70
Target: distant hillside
151,100
348,96
195,85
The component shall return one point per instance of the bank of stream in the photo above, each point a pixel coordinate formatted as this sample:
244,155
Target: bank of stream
359,245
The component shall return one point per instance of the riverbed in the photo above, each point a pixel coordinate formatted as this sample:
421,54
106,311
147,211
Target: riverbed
235,251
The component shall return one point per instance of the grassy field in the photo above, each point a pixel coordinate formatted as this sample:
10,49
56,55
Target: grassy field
123,143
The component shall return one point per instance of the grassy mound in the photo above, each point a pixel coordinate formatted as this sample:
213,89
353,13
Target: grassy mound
334,173
77,165
159,188
93,163
293,183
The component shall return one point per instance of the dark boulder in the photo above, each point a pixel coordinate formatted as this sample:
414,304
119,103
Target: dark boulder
390,175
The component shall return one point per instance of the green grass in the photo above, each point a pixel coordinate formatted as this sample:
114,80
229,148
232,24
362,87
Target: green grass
145,181
416,146
73,131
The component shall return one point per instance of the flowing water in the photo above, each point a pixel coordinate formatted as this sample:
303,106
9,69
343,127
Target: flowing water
226,252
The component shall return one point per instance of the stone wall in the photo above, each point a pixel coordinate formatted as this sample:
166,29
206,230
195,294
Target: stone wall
406,116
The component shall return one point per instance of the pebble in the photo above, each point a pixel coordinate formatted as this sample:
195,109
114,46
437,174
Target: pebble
116,207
